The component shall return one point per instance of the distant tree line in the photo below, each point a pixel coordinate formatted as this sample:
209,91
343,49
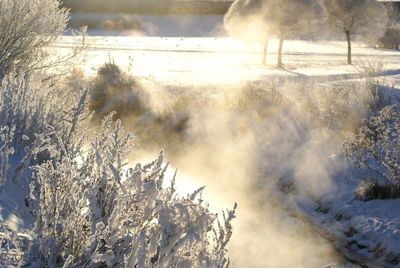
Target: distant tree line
391,39
148,6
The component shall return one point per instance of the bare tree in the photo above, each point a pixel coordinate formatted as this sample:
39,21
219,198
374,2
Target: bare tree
245,13
27,28
284,18
290,18
356,17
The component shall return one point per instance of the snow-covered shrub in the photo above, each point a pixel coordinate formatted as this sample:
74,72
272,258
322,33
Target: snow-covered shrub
26,28
114,90
156,114
31,104
76,79
337,107
90,208
376,145
93,210
6,149
265,99
11,246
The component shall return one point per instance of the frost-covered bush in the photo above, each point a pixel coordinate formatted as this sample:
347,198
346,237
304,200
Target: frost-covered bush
376,145
338,106
114,90
91,209
28,106
6,149
265,99
94,211
30,103
26,28
77,192
156,114
11,246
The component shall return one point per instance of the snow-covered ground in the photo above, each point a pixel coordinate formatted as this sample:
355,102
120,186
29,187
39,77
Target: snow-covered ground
365,232
210,61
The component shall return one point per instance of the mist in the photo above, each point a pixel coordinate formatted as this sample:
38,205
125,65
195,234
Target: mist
245,142
252,143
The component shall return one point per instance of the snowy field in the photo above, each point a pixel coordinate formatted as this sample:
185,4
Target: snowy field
194,61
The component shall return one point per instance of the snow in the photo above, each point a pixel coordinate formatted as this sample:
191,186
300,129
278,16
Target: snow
180,61
367,232
13,211
224,61
221,60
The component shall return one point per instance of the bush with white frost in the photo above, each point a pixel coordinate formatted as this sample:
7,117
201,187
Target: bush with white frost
28,105
115,90
376,146
90,208
30,102
27,28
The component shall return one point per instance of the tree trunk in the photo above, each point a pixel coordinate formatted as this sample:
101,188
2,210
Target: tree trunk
348,37
280,52
265,55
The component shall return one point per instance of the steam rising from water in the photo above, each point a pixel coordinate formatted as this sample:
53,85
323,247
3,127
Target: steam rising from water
240,146
264,235
240,151
242,141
